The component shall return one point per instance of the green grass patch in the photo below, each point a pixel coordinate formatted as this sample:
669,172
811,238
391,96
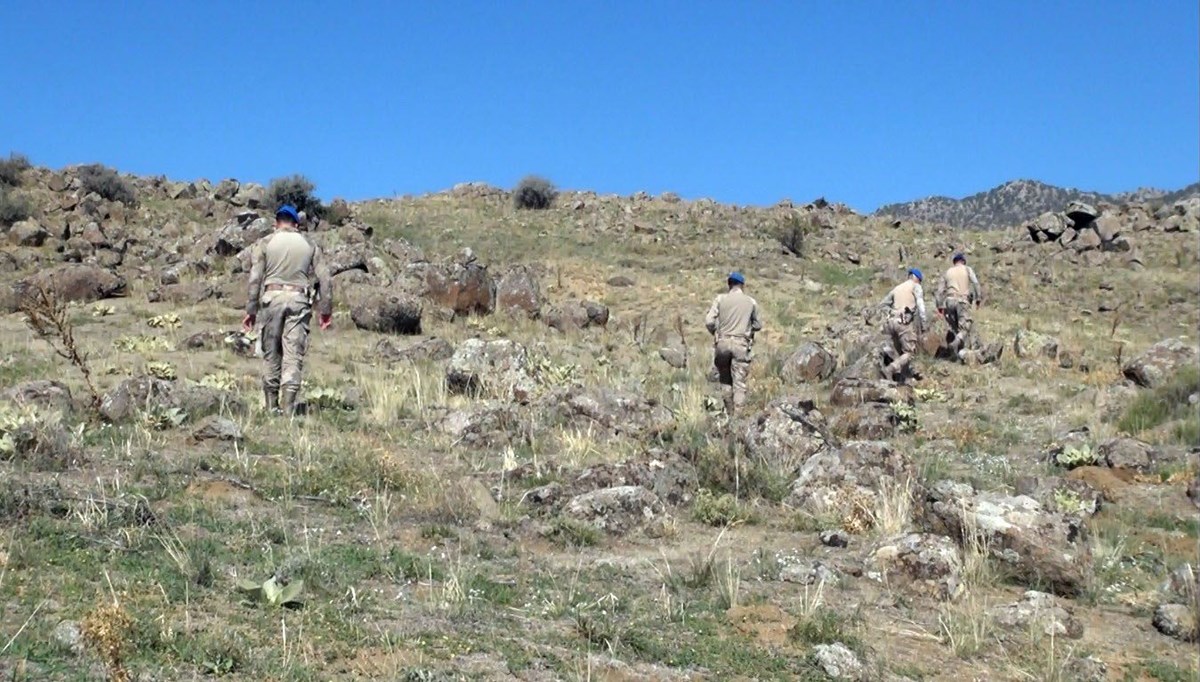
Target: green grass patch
1153,408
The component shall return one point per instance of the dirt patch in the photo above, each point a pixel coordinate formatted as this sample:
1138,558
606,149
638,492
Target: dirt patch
765,623
222,492
1112,483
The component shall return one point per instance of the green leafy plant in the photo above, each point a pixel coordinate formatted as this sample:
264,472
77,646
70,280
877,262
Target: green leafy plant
165,321
142,344
222,381
161,370
905,416
273,593
718,510
164,418
1076,456
1069,502
327,398
929,395
549,373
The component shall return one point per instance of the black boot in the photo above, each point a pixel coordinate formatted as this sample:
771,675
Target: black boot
271,400
288,401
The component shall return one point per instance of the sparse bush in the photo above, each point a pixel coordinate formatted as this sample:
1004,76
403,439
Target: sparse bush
296,190
337,212
14,207
792,231
572,533
12,167
48,315
107,183
718,510
826,626
1153,408
534,192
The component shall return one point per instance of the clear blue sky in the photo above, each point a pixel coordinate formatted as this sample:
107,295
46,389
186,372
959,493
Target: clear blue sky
742,101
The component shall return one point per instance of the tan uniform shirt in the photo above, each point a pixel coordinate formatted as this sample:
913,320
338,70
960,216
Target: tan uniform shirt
733,315
907,295
959,283
289,258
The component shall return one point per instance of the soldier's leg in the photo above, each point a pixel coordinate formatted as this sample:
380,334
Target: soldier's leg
272,316
723,360
740,371
295,346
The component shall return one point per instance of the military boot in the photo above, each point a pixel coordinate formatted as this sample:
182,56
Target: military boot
288,401
271,400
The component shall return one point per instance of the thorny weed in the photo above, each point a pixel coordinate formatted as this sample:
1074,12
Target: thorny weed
48,315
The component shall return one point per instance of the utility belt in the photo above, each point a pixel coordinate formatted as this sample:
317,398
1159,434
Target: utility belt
903,316
287,287
744,338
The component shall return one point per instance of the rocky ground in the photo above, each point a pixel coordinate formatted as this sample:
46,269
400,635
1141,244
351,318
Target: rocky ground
510,466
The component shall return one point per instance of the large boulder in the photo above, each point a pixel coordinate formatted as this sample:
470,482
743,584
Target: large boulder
1028,344
1128,453
1038,547
869,421
853,482
41,394
808,364
387,312
577,315
671,478
1181,621
518,293
1081,213
28,233
465,288
785,434
238,234
1160,362
490,424
72,283
851,392
608,412
497,367
150,394
617,510
925,563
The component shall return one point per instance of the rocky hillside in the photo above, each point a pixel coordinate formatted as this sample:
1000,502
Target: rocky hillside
1015,202
511,463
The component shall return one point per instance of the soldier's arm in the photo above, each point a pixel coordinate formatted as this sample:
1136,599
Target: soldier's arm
324,281
258,265
940,294
920,295
755,320
710,320
888,300
976,288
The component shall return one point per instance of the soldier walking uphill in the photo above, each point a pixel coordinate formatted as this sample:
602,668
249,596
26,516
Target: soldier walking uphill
285,265
733,320
957,291
906,303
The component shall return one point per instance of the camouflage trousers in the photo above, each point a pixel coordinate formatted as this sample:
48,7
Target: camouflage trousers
958,316
285,316
732,359
903,335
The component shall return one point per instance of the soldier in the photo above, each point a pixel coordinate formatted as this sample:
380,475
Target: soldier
956,292
733,320
284,266
905,303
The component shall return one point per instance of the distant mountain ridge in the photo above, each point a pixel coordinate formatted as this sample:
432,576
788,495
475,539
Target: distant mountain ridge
1015,202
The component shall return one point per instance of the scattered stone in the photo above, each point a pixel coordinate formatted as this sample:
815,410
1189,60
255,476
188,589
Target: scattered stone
835,538
1128,453
839,662
850,392
489,424
1176,620
786,434
71,283
215,427
69,635
616,413
674,356
616,510
1160,362
577,315
427,350
1029,344
42,394
809,573
848,480
1040,612
621,281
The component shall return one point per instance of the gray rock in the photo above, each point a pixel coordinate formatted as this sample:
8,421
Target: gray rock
71,283
808,364
577,315
1128,453
466,288
1040,612
786,434
1160,362
607,412
1029,344
69,635
1081,213
839,662
616,510
848,480
674,356
27,233
237,235
498,367
671,478
1086,669
1176,620
387,312
146,393
219,428
835,538
42,394
809,573
490,424
519,293
924,563
1038,547
869,421
427,350
850,392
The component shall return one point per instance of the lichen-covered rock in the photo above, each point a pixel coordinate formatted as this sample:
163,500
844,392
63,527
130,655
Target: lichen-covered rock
577,315
1160,362
609,412
427,350
387,312
1038,612
617,510
786,434
808,364
849,392
1128,453
1177,620
518,292
498,367
1038,547
42,394
926,563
